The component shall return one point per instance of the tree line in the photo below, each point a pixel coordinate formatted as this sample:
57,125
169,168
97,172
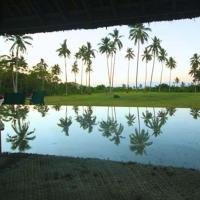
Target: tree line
16,75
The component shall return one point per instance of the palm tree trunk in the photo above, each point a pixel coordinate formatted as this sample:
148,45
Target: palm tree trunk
170,80
145,84
154,58
108,71
161,77
16,74
75,77
13,80
65,76
86,76
82,77
137,65
113,72
89,80
128,75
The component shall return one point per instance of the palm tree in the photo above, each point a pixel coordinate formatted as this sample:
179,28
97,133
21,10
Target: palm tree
139,34
147,57
129,55
154,48
171,64
89,54
22,137
117,44
18,47
162,58
130,118
177,81
41,70
75,70
171,111
81,55
195,66
63,51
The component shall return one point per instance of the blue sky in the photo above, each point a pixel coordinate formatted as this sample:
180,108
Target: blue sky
180,38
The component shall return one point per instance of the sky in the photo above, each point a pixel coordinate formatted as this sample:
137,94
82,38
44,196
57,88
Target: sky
180,38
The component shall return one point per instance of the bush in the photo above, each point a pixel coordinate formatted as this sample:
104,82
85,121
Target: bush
116,96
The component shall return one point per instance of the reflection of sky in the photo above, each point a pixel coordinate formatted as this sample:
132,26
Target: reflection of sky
177,145
180,38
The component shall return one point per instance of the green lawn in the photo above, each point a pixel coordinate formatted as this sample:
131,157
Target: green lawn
141,99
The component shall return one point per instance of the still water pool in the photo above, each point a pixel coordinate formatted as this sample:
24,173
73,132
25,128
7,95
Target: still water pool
161,136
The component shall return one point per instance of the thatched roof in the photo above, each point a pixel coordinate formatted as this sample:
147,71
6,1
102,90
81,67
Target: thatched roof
31,16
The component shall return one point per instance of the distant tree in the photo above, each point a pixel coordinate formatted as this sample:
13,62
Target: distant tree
147,57
162,58
75,70
63,51
195,67
171,64
177,81
129,55
138,33
154,48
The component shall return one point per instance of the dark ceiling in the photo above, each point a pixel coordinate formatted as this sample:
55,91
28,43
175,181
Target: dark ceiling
31,16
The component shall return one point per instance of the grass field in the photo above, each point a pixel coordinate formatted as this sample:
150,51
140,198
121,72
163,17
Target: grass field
151,99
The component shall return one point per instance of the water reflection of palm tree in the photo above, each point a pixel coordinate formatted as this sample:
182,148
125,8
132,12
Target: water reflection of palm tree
140,139
130,118
87,120
156,122
57,107
111,128
195,112
22,137
171,111
65,123
76,109
43,109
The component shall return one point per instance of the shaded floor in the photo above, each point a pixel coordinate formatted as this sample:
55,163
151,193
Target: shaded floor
28,177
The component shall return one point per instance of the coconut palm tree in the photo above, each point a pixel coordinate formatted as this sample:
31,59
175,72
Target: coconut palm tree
129,55
81,55
147,57
41,70
171,64
105,48
138,33
162,58
177,81
22,137
19,43
89,55
154,48
75,70
130,118
195,66
63,51
117,45
171,111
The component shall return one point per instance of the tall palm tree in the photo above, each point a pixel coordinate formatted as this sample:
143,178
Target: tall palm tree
139,34
18,47
195,66
63,51
130,118
147,57
154,48
171,64
105,48
75,70
129,55
177,81
117,43
81,55
162,58
89,54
